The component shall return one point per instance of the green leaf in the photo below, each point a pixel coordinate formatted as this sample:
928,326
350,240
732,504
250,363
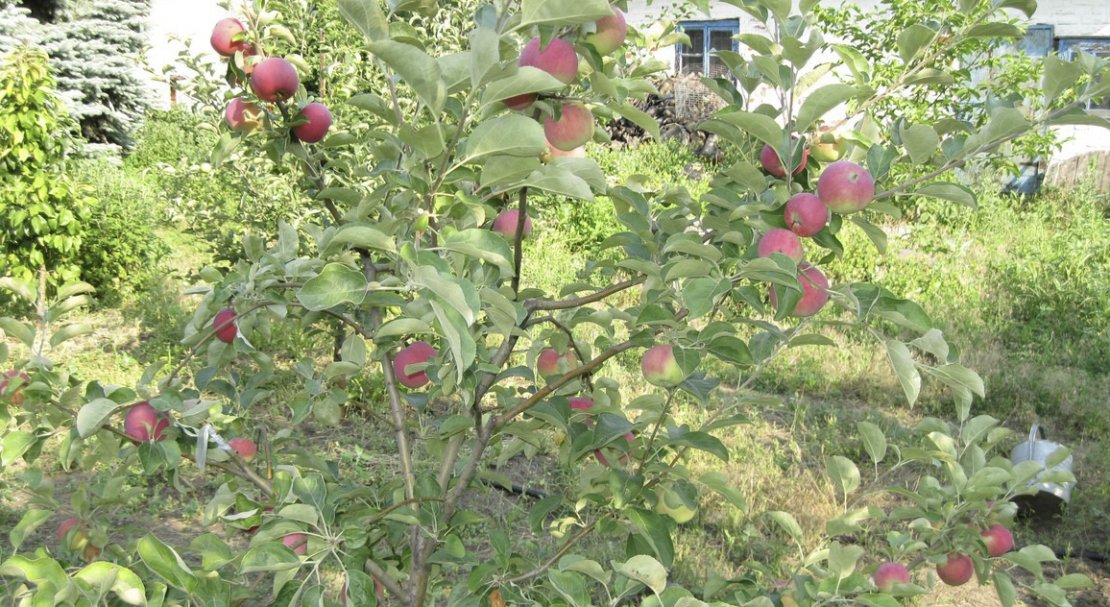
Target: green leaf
22,331
703,441
921,142
15,444
874,442
367,17
461,342
912,40
656,531
417,69
40,571
562,12
645,570
934,343
760,126
904,368
269,556
509,135
336,284
843,559
21,288
93,414
485,245
164,561
1059,75
874,233
844,473
69,332
31,520
787,523
1026,6
1005,122
559,180
946,190
820,102
360,236
526,80
571,586
1004,586
1074,581
120,580
995,30
640,118
719,482
959,376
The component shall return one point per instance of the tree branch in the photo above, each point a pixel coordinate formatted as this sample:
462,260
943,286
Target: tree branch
533,305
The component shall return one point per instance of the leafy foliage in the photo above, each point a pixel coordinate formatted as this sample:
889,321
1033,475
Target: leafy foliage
42,213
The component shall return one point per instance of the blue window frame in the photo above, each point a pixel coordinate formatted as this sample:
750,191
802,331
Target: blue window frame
1100,47
706,37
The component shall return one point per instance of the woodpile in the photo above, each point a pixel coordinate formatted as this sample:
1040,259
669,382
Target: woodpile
682,103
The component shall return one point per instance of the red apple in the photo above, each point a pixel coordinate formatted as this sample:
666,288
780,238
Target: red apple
223,36
245,447
64,528
144,424
805,214
506,223
297,542
275,79
573,129
957,570
845,187
548,362
16,378
554,152
999,540
242,115
771,163
418,352
558,58
610,33
659,367
581,403
815,291
224,324
319,121
891,575
781,241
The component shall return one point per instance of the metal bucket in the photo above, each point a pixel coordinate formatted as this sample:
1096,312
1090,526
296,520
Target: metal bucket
1050,497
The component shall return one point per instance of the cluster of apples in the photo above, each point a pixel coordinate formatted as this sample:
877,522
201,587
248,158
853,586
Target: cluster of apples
572,124
956,570
272,80
843,187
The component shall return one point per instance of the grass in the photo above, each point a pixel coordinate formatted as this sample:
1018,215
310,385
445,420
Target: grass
1020,286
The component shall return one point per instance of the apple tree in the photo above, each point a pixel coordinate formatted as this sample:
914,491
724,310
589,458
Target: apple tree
430,186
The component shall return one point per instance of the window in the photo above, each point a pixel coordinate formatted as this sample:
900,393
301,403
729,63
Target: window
706,37
1100,47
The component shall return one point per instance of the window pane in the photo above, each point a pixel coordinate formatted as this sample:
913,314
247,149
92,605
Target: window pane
719,40
692,60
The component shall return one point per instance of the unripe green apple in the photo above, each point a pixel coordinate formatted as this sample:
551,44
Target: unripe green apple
845,187
660,367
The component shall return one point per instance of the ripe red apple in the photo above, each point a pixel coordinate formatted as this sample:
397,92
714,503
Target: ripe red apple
581,403
548,362
771,163
245,447
558,58
805,214
319,121
145,424
845,187
506,223
64,528
957,570
573,129
242,115
224,324
416,353
14,376
781,241
520,103
999,540
297,542
610,33
891,575
275,79
223,36
815,291
659,367
554,152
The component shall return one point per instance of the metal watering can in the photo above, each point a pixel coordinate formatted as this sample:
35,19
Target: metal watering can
1050,497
